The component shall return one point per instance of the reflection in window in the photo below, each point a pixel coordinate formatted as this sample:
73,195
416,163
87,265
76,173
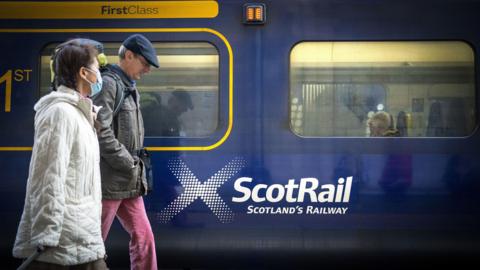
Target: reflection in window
179,99
426,87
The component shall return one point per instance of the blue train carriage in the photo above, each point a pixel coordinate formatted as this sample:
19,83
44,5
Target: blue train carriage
257,120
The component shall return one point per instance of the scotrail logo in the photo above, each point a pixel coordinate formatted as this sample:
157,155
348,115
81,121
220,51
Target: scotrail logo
295,194
303,197
206,191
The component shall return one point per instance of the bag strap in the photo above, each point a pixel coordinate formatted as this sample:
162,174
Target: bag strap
121,93
119,98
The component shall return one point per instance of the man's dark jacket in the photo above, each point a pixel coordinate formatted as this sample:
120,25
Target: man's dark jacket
120,136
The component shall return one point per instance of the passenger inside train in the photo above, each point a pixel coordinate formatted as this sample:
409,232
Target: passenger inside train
381,125
164,120
397,171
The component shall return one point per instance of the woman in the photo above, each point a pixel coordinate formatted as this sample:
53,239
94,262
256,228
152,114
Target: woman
381,125
62,211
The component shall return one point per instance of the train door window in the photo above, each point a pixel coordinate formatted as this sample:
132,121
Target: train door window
427,88
179,99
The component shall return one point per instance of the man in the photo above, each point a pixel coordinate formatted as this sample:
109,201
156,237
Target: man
164,120
121,137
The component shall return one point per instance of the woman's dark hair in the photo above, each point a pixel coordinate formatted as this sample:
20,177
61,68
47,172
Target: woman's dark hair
68,59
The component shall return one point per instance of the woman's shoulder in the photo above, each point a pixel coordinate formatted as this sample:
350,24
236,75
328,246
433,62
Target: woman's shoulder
58,114
64,109
391,133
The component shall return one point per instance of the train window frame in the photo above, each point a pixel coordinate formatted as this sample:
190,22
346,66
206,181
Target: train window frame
473,123
225,116
111,54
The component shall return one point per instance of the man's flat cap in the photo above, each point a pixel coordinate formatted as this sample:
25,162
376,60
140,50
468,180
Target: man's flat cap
141,45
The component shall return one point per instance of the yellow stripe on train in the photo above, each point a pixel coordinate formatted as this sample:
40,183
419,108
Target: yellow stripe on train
108,10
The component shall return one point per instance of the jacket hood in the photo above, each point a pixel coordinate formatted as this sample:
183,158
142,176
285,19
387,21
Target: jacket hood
63,94
68,95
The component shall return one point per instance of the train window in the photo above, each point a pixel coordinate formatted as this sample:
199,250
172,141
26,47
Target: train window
179,99
427,88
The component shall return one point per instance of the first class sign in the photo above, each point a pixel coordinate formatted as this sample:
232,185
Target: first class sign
108,10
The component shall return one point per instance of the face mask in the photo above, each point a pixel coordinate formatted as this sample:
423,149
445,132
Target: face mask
95,87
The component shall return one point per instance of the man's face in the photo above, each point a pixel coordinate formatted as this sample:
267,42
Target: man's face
137,65
178,106
375,130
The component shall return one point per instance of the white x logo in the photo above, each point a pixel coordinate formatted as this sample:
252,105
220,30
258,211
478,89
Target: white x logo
207,191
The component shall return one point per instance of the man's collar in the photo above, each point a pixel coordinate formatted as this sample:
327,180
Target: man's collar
117,69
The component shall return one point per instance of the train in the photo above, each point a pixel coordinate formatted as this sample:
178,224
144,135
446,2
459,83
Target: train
272,164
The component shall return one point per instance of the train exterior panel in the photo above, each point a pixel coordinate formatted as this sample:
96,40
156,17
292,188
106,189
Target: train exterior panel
273,166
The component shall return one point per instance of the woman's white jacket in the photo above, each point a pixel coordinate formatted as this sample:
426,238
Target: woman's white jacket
63,199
